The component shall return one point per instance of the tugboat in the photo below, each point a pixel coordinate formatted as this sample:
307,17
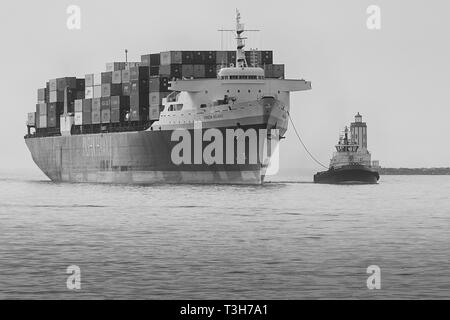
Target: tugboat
351,163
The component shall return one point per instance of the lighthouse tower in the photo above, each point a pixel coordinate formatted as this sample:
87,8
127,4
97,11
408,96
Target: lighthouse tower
358,130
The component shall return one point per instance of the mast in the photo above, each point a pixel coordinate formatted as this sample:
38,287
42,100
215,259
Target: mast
240,53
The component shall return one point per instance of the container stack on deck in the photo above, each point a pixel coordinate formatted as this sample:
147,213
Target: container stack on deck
50,103
129,93
107,98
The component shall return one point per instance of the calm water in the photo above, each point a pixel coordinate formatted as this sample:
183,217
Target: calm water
284,240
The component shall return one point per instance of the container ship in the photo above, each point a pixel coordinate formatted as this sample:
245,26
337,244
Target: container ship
352,162
125,125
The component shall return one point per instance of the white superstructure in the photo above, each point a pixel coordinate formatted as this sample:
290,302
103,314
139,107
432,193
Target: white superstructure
240,96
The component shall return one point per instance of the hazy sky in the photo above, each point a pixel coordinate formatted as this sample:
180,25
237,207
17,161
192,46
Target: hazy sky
397,77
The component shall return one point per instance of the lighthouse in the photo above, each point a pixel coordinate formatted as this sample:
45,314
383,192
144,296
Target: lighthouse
358,130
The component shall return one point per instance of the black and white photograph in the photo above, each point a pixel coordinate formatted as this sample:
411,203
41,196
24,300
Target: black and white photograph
225,155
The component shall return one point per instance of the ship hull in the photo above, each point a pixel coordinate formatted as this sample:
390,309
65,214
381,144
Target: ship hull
348,175
143,157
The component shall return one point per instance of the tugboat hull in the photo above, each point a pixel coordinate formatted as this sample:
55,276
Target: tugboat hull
348,175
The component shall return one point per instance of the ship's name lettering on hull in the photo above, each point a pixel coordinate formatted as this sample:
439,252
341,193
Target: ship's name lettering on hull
214,116
96,146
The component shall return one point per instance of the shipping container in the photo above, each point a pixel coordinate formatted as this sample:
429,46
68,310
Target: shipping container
89,93
106,116
111,90
120,102
139,101
232,58
154,112
171,71
79,94
170,57
106,77
159,84
210,57
97,91
187,71
53,121
62,83
89,80
78,106
31,119
211,71
81,84
199,57
274,71
278,71
138,73
87,118
53,84
155,59
115,66
56,96
115,116
56,108
266,57
145,60
154,71
87,105
222,58
117,77
42,123
106,109
126,76
96,117
53,114
41,109
199,70
78,118
139,114
105,103
42,95
187,57
97,79
96,105
253,58
130,65
126,89
139,86
155,98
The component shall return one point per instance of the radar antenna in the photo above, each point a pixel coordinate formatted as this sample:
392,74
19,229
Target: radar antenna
241,62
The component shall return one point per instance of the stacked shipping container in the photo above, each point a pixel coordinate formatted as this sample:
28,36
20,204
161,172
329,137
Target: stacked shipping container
132,91
50,100
106,101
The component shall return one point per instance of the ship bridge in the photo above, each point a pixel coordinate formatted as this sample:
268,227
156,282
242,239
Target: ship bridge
241,74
